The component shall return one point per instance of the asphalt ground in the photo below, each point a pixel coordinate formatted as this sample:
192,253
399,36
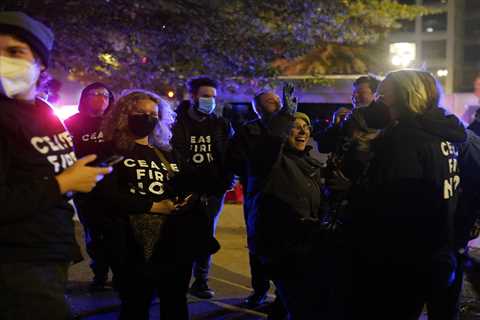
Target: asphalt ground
229,278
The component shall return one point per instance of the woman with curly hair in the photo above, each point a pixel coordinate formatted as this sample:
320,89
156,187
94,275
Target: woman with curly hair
149,215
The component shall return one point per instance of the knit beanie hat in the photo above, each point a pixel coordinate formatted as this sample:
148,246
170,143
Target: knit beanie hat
36,34
303,116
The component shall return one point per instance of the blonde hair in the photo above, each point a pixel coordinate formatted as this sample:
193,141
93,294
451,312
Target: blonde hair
416,90
115,123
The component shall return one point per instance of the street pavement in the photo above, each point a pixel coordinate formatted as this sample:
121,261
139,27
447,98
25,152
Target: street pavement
229,277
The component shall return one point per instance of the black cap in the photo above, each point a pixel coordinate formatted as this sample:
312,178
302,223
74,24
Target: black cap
36,34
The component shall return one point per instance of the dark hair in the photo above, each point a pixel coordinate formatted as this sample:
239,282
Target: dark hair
82,106
371,81
195,84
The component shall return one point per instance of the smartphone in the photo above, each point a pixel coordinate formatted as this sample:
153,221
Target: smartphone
107,162
184,199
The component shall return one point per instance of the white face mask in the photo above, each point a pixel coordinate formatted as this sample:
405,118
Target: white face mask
17,75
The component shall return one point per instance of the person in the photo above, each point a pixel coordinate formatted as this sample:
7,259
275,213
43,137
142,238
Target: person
200,140
151,218
95,100
286,215
470,110
363,92
364,89
403,224
475,125
467,224
265,104
38,173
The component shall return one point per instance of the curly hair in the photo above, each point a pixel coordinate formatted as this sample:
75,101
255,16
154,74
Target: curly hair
115,123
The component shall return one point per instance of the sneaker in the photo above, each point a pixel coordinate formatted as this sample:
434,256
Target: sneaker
201,290
255,299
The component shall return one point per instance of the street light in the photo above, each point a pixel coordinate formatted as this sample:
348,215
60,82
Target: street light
402,53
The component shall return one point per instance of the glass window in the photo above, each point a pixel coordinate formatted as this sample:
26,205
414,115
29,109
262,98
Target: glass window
402,54
434,2
472,27
471,53
406,26
434,22
434,49
472,5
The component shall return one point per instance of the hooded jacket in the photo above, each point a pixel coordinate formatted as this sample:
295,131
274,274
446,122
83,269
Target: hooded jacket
414,181
85,129
36,221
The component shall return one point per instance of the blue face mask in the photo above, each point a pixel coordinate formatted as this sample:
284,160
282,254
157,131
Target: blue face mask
206,105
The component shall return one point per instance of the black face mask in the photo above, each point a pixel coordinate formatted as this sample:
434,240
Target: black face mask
377,115
141,125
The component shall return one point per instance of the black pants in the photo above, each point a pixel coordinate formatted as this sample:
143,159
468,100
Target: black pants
260,277
307,296
137,291
201,265
400,291
33,291
95,242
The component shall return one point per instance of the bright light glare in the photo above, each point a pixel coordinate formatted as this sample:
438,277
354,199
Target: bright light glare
442,72
170,94
65,111
402,53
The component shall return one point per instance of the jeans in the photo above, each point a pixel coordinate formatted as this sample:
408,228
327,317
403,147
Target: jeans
34,291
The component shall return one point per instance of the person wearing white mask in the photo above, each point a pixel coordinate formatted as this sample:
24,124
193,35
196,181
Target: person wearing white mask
200,140
38,173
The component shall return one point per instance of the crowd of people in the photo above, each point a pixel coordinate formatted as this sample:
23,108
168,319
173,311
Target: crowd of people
380,231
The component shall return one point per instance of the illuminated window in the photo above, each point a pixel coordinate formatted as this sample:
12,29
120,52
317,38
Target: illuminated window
402,54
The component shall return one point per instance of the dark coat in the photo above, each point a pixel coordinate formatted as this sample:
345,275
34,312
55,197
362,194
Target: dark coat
283,193
413,191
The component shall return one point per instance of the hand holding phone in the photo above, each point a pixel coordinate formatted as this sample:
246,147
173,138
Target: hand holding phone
107,162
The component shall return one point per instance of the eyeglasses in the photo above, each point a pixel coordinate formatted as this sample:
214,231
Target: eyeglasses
98,94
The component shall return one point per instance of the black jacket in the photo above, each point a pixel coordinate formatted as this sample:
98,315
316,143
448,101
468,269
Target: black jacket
475,127
414,180
211,176
467,227
283,192
35,219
